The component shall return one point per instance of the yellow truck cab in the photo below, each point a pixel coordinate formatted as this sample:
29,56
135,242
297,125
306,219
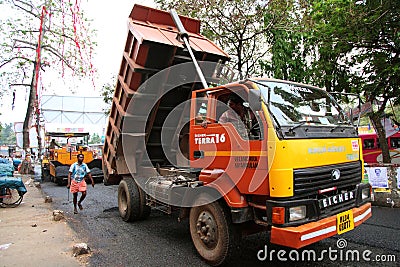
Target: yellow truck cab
299,173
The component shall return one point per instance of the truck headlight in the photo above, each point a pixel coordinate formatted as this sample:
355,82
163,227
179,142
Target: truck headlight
365,193
297,213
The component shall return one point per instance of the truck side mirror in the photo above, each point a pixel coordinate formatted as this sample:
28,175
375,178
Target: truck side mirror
255,99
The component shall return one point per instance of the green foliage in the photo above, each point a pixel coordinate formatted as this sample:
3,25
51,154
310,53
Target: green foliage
239,27
95,139
107,92
285,42
7,135
359,51
340,45
287,55
364,38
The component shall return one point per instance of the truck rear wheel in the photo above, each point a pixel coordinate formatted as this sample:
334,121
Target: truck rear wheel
212,231
132,201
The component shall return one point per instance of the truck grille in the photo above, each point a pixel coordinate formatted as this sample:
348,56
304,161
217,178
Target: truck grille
308,181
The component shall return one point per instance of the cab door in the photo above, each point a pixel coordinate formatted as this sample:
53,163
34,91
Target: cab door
216,146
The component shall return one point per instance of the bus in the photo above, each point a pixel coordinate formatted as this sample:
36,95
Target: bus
372,152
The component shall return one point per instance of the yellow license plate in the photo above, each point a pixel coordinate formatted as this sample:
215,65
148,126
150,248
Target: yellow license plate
344,222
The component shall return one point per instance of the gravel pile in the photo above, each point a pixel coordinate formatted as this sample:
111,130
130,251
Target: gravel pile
62,171
96,171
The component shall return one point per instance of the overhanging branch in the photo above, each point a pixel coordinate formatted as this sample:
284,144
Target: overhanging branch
17,3
15,58
20,84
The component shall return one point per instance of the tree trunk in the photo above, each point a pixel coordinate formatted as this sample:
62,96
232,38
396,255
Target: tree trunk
34,89
29,111
380,131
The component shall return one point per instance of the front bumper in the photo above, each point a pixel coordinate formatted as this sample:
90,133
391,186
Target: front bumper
306,234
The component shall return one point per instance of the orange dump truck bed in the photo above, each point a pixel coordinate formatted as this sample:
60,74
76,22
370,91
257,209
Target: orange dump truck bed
151,46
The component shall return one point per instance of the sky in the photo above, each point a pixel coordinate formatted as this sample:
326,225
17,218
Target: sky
110,21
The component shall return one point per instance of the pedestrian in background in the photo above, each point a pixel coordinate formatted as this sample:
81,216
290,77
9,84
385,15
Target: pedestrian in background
76,181
26,166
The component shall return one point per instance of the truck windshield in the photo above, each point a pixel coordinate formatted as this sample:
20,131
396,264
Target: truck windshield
295,105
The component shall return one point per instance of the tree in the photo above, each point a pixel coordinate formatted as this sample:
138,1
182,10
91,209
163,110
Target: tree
289,52
7,135
239,27
363,38
107,92
41,34
95,139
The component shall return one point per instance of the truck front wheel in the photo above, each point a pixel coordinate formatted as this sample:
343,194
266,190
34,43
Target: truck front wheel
212,231
132,201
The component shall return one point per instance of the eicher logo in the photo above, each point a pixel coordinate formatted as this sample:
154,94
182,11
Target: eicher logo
337,199
335,174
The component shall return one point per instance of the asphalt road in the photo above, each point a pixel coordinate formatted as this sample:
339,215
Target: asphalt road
162,241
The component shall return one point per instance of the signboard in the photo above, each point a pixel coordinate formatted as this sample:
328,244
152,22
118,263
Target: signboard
377,177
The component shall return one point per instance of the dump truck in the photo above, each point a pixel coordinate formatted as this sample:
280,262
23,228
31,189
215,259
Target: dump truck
293,169
58,159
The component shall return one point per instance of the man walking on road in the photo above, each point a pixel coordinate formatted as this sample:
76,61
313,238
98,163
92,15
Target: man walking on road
76,181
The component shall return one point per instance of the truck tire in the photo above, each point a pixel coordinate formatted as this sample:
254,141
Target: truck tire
212,231
132,201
